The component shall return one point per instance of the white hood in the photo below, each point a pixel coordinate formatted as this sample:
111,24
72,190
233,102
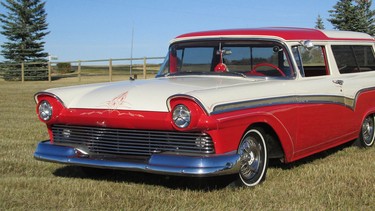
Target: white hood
152,94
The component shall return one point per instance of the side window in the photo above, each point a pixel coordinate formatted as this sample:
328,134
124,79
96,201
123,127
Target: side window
311,62
354,58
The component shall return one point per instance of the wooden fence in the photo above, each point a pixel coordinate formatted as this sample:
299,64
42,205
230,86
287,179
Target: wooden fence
121,68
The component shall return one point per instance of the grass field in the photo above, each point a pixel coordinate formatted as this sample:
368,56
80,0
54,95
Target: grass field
341,179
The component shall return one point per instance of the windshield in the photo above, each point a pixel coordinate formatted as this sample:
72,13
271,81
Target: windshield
267,59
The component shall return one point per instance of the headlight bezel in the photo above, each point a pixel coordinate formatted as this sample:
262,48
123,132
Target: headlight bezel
199,117
45,110
181,116
54,102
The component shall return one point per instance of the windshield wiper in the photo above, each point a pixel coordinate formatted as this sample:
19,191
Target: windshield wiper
238,74
207,73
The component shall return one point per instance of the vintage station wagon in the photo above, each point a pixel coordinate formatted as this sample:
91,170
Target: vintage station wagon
224,102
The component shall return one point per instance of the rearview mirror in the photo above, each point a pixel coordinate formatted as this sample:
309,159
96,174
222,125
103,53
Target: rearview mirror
224,52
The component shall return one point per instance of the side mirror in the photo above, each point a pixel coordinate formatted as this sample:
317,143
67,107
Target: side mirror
307,44
277,49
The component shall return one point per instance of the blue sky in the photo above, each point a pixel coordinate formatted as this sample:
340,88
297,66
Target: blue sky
102,29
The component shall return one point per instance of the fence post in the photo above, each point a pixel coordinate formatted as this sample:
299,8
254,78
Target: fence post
49,72
110,70
144,67
23,72
79,70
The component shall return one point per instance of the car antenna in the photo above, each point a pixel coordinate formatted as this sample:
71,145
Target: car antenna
131,55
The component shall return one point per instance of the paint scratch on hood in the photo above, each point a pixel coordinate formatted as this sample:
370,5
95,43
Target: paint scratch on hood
118,101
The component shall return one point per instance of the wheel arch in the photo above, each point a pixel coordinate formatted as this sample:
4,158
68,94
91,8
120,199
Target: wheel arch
364,104
367,126
370,112
281,133
274,146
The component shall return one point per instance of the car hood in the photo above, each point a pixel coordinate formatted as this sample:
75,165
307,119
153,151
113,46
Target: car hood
152,94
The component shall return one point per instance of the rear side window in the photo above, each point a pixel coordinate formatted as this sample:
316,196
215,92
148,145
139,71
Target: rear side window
354,58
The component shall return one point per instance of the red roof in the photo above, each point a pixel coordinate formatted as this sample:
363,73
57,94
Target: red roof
286,33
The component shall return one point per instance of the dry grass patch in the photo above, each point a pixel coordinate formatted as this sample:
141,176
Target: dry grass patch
337,180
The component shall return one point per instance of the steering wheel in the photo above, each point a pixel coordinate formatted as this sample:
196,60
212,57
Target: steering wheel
255,72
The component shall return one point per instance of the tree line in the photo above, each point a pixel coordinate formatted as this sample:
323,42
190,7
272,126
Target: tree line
351,15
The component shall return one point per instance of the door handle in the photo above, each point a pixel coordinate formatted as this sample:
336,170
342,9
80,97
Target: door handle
339,82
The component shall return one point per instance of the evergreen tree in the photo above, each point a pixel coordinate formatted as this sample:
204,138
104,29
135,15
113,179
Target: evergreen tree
353,15
24,26
366,17
319,23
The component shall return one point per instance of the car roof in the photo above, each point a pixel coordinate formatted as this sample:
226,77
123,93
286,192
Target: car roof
281,33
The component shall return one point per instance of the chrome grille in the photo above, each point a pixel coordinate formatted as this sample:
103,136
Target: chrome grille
131,142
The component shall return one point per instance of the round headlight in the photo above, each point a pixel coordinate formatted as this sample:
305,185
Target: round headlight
45,110
181,116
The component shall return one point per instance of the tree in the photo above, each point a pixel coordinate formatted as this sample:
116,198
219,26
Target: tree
353,15
366,17
24,26
319,23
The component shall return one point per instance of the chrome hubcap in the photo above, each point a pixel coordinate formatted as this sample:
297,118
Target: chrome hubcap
368,130
250,152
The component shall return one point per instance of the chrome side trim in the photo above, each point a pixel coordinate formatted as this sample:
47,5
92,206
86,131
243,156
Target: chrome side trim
169,164
295,99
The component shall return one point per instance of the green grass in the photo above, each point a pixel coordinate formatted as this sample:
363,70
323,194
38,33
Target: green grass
341,179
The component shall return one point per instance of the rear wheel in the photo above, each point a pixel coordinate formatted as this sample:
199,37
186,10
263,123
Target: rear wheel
367,135
253,158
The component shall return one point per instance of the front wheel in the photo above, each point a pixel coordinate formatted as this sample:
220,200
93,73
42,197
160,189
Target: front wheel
253,158
367,135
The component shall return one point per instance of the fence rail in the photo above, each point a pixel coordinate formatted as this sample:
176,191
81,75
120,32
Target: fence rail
114,69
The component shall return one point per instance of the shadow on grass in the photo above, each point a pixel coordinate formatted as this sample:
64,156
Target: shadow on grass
176,182
119,176
311,158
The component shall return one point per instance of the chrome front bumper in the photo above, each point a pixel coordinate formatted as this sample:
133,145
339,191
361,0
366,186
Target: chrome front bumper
169,164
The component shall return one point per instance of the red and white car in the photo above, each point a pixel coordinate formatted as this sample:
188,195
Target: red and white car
224,102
